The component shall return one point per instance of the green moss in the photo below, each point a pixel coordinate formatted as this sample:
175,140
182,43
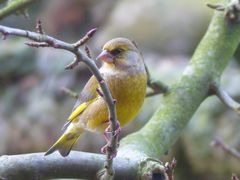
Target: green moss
176,108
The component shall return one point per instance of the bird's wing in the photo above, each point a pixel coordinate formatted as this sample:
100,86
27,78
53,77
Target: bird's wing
86,97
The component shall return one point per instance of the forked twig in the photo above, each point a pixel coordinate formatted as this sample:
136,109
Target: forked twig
42,40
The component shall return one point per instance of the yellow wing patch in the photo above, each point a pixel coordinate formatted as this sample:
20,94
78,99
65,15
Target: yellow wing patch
76,112
79,110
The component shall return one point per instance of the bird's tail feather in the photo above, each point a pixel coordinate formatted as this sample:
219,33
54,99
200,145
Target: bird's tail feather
64,144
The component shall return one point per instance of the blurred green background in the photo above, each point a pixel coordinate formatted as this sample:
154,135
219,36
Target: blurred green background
33,108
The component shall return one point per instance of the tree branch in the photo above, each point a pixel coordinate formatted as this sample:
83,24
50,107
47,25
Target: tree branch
139,150
184,97
15,5
225,98
49,41
220,144
234,177
231,9
76,165
2,1
69,92
156,85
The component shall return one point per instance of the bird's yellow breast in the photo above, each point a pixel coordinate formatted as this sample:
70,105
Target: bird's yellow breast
129,92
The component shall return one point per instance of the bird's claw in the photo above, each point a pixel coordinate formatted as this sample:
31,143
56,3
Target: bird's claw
107,136
107,132
104,151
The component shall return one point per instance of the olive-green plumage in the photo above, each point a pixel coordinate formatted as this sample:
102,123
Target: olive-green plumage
124,72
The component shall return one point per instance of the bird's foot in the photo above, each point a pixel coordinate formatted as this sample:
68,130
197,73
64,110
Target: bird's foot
106,148
107,132
107,136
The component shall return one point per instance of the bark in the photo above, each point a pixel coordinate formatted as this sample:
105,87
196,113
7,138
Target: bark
76,165
138,151
14,6
178,106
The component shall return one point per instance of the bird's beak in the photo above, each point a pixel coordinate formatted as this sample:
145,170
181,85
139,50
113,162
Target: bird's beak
105,56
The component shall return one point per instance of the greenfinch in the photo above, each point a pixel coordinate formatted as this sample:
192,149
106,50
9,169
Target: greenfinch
124,72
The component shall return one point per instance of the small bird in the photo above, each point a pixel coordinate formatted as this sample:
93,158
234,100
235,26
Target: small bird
124,72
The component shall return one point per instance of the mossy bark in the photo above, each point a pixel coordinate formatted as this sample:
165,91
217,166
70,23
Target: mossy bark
178,106
175,110
14,6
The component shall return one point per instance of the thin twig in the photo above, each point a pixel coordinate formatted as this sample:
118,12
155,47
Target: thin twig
85,38
73,64
4,36
231,151
37,44
232,10
234,177
80,56
169,168
99,92
225,98
39,27
87,50
69,92
157,86
216,7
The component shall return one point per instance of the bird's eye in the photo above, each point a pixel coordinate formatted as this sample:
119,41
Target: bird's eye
116,51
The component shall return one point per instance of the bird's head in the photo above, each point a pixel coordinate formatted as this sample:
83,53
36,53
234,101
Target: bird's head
120,52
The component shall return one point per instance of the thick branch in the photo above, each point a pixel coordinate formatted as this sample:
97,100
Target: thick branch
76,165
14,6
183,99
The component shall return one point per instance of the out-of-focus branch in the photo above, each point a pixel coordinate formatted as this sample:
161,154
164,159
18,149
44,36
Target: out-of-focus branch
178,106
225,98
42,40
231,9
234,177
169,167
2,1
156,85
217,7
157,88
14,6
220,144
69,92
